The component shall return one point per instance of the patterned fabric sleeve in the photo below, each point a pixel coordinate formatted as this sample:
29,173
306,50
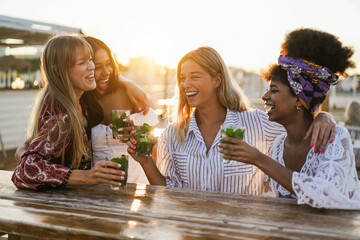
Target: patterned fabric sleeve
331,180
36,170
164,160
271,129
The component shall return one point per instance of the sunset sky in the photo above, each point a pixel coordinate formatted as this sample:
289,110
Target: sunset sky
247,34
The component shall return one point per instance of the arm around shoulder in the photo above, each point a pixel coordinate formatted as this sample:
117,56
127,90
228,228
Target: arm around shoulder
137,96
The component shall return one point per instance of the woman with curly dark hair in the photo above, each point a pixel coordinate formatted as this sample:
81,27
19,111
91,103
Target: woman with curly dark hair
309,63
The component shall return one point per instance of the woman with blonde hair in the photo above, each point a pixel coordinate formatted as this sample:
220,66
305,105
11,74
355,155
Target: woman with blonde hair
188,153
59,150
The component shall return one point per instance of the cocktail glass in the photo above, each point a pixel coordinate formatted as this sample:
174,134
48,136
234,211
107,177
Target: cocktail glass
144,141
232,130
124,161
117,120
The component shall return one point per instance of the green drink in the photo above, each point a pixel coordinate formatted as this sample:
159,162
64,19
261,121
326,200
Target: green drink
234,131
123,160
117,120
144,141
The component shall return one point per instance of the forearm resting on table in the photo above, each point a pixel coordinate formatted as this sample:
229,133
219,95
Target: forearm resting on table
78,177
276,171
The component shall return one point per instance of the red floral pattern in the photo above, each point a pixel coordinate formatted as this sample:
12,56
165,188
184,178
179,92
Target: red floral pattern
40,166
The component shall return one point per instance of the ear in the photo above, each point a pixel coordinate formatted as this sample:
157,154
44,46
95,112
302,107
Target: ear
298,103
218,80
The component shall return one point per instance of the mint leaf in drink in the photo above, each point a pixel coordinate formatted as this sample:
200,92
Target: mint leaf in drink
113,117
118,122
123,157
145,128
123,161
230,132
143,140
239,134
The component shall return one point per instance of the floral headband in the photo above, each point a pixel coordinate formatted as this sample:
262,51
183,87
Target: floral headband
309,81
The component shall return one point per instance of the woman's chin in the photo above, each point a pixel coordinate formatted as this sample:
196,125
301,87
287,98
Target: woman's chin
100,91
271,117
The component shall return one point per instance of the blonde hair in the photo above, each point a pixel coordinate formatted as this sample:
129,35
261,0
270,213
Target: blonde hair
58,56
229,93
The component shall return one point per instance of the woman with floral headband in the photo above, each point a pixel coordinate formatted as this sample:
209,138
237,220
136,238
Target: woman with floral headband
298,84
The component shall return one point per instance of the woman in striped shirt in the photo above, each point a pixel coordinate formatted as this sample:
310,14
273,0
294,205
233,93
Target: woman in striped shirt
188,153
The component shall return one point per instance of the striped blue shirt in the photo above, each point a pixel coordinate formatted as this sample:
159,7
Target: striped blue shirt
191,166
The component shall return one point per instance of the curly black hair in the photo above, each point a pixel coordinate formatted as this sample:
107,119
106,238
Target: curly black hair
319,47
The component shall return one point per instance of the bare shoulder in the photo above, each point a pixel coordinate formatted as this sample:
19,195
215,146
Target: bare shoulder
120,93
119,99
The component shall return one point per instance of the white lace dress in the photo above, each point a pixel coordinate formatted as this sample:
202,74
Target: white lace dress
103,145
327,180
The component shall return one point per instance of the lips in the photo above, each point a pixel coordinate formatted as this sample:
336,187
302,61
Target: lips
103,84
269,107
191,94
90,77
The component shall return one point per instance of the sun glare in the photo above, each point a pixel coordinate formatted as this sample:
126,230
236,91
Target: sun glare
153,38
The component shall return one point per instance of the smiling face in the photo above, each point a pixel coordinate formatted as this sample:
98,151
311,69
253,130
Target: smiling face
197,85
82,73
103,70
280,102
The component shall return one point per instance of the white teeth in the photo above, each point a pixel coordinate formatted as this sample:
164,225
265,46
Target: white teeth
106,80
191,93
269,106
90,76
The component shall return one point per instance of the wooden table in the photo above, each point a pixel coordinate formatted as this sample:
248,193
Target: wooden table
152,212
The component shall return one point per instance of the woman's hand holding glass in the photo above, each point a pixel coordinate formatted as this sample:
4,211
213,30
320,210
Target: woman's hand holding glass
132,151
105,172
237,150
125,133
140,158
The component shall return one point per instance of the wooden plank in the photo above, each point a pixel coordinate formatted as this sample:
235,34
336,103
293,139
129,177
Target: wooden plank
164,213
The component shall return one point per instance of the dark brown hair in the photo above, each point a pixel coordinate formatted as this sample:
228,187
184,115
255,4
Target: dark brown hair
95,112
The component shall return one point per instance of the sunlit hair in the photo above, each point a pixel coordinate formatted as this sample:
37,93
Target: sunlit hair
229,93
58,56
